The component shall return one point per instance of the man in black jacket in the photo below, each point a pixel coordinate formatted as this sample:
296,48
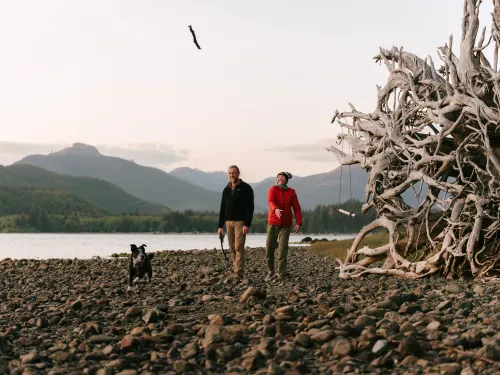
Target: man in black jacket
236,210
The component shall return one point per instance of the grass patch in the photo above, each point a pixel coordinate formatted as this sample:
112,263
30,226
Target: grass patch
338,248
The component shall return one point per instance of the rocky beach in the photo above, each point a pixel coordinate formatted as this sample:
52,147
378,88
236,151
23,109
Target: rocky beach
70,316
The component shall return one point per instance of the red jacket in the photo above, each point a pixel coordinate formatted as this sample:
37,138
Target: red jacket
284,200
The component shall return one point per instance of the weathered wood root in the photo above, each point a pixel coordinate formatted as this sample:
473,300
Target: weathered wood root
435,132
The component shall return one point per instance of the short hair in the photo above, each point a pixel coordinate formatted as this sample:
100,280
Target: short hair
234,166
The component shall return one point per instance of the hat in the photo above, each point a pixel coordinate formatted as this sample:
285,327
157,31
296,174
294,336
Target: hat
287,175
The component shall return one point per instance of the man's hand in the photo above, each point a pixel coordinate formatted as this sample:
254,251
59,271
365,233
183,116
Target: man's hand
245,229
297,228
220,232
278,212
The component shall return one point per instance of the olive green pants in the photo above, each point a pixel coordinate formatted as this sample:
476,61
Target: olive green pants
277,235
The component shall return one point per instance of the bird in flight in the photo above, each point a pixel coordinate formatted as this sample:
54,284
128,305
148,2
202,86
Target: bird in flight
194,37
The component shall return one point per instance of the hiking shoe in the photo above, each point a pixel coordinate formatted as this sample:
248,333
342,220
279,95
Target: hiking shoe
270,276
281,277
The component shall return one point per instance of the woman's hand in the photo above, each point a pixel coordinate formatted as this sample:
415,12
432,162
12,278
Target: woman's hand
278,212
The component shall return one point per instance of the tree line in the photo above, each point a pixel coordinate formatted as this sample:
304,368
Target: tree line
323,219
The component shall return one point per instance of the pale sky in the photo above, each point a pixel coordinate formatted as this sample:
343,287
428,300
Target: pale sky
125,76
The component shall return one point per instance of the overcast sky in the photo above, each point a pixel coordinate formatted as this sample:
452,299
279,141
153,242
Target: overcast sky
125,76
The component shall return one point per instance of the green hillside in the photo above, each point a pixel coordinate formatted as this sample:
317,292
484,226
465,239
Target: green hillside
98,192
15,200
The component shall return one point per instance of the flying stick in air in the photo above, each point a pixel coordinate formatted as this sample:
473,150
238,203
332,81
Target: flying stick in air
194,37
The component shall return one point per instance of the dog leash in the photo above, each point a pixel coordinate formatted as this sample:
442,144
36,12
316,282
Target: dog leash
221,236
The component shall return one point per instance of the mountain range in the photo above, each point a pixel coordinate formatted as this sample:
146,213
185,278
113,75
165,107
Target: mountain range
97,192
181,189
322,188
147,183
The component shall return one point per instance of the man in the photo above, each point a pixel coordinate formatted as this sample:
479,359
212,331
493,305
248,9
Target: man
281,199
236,211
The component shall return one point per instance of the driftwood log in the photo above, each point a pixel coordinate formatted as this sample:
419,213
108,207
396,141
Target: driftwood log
437,133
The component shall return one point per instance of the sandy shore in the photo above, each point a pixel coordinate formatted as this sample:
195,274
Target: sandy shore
76,317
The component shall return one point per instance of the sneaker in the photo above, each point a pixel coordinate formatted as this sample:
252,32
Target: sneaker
270,276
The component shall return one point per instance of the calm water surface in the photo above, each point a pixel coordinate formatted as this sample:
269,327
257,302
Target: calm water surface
87,245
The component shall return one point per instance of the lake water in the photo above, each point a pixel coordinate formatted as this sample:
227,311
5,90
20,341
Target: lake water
87,245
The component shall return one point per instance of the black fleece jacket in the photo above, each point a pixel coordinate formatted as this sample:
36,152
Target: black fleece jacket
237,204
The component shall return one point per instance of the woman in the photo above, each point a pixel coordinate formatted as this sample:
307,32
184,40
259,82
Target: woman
281,200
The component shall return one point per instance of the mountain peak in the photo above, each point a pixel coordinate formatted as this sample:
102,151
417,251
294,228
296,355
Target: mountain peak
80,149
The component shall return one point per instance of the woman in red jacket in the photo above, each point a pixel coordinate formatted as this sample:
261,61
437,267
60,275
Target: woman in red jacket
281,199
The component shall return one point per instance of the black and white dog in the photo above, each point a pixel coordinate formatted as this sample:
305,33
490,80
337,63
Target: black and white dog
140,265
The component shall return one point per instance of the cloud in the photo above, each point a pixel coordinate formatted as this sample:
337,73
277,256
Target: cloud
10,152
150,154
325,157
23,149
311,152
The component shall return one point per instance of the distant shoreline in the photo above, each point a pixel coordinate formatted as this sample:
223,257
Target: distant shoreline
181,233
87,245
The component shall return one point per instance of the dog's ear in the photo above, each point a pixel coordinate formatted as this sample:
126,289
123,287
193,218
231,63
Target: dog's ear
133,247
151,255
143,245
